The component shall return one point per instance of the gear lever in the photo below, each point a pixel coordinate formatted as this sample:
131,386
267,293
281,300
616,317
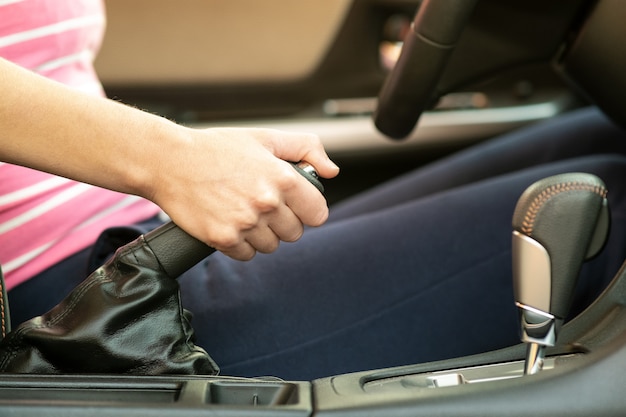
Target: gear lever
558,223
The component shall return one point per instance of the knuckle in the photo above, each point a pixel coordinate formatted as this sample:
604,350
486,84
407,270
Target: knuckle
227,239
267,201
246,220
315,140
287,178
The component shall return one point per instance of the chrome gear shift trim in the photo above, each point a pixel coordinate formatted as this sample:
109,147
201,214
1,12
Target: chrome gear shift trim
538,330
535,354
558,223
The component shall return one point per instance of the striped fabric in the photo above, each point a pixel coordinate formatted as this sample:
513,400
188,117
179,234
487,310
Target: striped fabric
43,218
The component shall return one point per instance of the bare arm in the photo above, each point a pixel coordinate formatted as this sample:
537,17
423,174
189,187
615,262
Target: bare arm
227,187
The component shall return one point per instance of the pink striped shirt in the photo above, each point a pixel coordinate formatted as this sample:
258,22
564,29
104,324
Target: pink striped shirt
44,218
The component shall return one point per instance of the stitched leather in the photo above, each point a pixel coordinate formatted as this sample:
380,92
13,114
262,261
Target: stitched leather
125,318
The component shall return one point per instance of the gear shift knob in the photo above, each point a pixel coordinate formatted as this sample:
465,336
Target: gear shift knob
558,223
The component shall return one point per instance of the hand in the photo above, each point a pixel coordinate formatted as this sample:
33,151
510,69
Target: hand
234,190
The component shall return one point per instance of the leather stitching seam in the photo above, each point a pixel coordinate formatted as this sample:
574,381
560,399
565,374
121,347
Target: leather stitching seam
531,214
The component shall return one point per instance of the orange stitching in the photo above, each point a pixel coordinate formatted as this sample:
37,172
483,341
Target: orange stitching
545,195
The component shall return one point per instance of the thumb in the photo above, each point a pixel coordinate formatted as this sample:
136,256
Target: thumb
324,166
306,147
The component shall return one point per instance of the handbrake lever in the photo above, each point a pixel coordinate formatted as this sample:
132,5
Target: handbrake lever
558,223
177,251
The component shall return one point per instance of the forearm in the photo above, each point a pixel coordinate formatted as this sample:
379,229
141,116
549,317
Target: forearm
228,187
49,127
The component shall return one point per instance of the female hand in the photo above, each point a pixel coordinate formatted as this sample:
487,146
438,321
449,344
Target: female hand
233,189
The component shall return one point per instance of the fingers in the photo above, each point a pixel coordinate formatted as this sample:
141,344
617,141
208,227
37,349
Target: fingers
302,204
285,225
282,225
262,227
265,237
306,201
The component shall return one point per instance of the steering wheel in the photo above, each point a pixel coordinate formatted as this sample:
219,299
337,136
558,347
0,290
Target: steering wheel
408,89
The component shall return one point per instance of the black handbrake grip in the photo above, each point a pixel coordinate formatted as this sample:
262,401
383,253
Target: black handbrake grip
177,250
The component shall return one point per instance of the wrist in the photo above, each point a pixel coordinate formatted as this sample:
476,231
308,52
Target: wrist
167,143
